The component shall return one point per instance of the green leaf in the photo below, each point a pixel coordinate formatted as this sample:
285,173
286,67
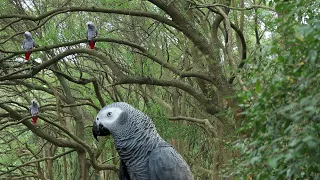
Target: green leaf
258,86
312,56
273,162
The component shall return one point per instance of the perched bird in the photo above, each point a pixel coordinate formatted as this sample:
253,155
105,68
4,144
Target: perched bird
34,111
143,153
28,44
92,33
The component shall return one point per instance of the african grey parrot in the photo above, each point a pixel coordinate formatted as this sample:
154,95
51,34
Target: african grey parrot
34,111
91,33
28,44
144,155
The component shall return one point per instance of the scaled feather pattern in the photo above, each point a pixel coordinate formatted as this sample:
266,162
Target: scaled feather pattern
144,155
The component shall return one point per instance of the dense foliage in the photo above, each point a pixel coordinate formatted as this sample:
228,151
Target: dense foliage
233,81
283,107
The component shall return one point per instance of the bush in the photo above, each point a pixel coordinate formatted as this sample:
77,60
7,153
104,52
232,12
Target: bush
282,126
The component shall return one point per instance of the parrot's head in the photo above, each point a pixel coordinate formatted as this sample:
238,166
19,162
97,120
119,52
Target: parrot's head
28,35
34,102
121,120
90,25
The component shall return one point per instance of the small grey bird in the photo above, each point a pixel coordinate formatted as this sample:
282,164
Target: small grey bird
91,33
28,44
144,155
34,111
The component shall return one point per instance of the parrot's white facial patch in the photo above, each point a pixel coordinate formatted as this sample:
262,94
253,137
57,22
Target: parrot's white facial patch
27,34
108,116
90,24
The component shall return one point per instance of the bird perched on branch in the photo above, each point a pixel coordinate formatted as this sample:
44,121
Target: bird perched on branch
28,44
91,33
34,111
143,153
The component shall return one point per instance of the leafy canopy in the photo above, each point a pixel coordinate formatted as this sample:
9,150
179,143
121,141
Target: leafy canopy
283,119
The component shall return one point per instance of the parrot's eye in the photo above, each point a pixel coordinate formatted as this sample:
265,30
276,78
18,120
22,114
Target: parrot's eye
97,119
109,114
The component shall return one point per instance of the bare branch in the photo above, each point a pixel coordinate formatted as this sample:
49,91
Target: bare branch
98,94
234,8
195,120
133,45
38,160
210,107
85,145
58,57
39,132
229,46
14,123
94,9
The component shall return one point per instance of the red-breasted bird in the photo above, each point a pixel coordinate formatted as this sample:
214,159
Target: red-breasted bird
34,111
91,33
28,44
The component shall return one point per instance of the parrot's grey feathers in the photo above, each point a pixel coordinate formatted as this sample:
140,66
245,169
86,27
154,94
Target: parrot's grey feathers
123,171
34,108
166,163
92,31
28,42
144,154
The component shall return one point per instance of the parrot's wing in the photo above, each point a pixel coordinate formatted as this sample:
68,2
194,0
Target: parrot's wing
167,163
123,172
24,44
96,33
87,34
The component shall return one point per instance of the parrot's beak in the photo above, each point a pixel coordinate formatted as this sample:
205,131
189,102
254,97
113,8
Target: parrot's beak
99,130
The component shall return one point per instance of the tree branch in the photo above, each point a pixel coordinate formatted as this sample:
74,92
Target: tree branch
94,9
38,160
229,45
98,94
195,120
234,8
133,45
14,123
60,56
40,133
210,107
174,69
85,145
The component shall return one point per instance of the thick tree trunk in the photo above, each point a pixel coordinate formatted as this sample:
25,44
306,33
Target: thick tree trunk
84,169
49,161
65,166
